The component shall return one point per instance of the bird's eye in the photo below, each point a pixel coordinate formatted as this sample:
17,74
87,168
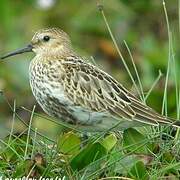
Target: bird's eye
46,38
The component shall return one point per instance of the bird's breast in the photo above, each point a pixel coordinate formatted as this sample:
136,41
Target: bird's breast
46,85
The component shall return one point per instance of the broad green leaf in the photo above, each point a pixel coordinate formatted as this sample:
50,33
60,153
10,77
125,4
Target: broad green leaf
135,142
138,171
109,142
23,168
88,155
69,143
124,163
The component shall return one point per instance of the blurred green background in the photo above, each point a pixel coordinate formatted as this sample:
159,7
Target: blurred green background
140,22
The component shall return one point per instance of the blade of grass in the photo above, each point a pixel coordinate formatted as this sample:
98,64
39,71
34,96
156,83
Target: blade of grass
136,71
178,88
179,15
164,104
170,58
34,140
175,80
100,7
93,61
166,168
177,91
31,170
15,138
13,119
28,135
9,146
153,85
178,112
177,136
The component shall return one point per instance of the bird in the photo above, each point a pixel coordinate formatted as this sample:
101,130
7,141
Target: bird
77,92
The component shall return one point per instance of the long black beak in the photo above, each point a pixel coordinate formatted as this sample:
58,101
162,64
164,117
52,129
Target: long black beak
28,48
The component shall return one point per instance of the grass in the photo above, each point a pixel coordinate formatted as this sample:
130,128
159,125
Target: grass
142,153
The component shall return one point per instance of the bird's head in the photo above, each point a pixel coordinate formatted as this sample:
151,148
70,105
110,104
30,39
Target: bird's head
52,41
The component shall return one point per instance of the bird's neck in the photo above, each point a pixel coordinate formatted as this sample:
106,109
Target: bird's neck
50,56
55,51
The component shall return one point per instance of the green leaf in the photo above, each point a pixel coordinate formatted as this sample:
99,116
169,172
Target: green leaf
88,155
109,142
124,163
22,168
69,143
138,171
135,142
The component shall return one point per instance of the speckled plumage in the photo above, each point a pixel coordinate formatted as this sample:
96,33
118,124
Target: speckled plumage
73,90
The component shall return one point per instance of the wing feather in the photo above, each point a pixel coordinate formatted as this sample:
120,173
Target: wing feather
92,88
96,90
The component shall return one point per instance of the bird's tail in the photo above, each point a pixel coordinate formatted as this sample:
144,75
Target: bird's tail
147,115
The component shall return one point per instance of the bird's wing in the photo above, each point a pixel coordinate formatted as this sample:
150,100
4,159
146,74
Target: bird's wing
92,88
